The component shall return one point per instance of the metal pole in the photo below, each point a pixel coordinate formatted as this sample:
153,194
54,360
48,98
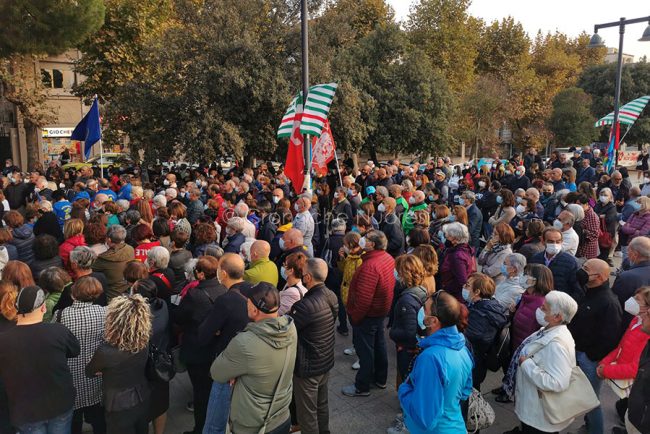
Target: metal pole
617,94
304,27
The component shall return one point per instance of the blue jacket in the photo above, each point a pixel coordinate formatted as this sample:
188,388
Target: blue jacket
441,378
125,192
62,209
475,218
108,192
588,174
564,268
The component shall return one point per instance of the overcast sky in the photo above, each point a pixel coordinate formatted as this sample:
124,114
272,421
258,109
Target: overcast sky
568,16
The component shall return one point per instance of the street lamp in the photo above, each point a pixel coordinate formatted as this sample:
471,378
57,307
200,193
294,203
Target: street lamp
597,41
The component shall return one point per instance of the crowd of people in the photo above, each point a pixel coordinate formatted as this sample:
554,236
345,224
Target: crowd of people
110,285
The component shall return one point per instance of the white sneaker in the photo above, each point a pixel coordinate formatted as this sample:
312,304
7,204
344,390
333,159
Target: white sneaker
349,351
356,366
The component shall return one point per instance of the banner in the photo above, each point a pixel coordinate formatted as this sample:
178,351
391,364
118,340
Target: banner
323,149
294,167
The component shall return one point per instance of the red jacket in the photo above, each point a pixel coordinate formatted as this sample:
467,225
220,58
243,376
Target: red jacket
371,288
68,246
623,362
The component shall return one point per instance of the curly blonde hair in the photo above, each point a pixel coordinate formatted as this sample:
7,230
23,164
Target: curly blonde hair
410,269
128,323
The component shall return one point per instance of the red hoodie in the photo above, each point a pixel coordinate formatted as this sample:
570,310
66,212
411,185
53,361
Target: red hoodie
68,246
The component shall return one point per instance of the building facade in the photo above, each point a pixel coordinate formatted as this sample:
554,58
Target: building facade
612,56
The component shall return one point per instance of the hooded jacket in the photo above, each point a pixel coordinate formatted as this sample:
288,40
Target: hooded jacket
23,238
112,263
440,379
255,358
68,246
486,319
457,265
405,316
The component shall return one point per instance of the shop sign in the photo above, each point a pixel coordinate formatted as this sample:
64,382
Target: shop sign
57,132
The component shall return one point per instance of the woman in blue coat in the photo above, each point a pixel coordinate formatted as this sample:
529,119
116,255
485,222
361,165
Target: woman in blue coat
442,373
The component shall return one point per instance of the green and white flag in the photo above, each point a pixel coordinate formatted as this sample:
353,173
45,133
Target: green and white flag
313,115
627,114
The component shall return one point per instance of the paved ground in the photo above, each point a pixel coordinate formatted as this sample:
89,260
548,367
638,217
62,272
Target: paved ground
371,415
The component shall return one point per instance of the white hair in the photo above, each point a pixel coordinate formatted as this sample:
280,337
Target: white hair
189,269
245,249
236,223
160,201
641,245
456,230
171,192
45,205
123,204
577,211
158,258
518,261
563,304
241,210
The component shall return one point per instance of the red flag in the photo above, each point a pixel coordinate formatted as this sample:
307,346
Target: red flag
323,149
294,168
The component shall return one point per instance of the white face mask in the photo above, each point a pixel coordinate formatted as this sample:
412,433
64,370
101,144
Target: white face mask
539,316
481,184
520,209
166,182
632,306
646,180
557,224
553,249
276,199
604,199
362,243
411,200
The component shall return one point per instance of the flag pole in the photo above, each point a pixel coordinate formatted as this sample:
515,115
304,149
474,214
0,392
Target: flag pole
101,147
304,27
338,168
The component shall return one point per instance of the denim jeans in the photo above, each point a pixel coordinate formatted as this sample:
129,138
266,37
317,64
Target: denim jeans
57,425
595,417
216,418
370,344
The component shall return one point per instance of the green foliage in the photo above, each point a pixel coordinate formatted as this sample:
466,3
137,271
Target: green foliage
571,121
503,49
600,81
448,36
47,26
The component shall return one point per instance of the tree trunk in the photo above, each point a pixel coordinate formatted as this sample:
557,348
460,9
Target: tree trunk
31,136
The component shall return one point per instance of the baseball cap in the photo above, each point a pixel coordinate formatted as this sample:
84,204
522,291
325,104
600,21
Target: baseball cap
29,299
264,296
370,189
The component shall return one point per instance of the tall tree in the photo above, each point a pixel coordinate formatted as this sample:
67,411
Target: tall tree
504,49
600,81
47,26
449,36
571,121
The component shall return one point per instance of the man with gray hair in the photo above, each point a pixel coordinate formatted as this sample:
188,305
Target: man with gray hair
570,239
159,201
637,275
113,261
242,210
508,291
195,206
314,316
304,222
369,301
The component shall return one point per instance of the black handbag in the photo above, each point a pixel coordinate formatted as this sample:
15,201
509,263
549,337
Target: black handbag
160,365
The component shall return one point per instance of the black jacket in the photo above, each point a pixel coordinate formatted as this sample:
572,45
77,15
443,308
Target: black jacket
392,228
487,203
315,316
192,310
564,268
267,229
597,327
48,224
343,210
486,319
611,216
404,321
639,401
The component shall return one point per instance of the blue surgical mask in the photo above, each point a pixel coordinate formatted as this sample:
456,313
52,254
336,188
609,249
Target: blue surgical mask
432,198
441,236
452,218
635,205
421,318
355,228
504,270
461,201
499,199
396,275
466,296
283,272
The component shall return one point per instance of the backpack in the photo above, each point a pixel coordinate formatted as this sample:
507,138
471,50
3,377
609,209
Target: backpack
499,354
